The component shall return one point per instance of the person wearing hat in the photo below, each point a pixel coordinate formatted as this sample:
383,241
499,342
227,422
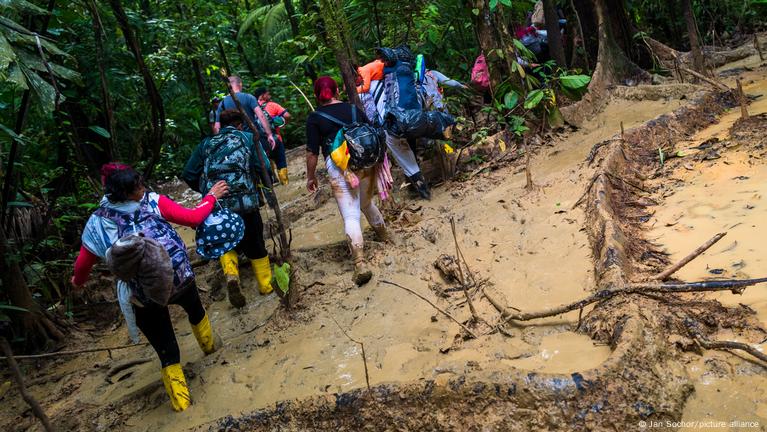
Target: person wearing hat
230,155
126,213
279,117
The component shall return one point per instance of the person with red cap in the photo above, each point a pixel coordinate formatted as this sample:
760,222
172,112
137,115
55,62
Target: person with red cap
352,201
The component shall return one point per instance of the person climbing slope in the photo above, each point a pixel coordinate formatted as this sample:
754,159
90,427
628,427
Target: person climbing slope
128,208
278,118
230,155
322,127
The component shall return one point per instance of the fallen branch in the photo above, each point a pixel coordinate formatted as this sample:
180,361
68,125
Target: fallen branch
588,189
362,346
83,351
442,311
37,410
736,286
729,345
704,78
458,256
702,248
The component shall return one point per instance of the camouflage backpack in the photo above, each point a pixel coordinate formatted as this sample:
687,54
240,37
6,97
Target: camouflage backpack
229,156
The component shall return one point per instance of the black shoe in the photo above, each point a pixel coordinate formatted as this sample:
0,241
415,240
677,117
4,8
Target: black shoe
420,185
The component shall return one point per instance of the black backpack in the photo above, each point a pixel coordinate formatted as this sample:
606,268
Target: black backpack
366,144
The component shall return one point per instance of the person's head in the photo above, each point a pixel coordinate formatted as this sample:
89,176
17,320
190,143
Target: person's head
236,83
122,183
325,90
215,101
262,94
231,117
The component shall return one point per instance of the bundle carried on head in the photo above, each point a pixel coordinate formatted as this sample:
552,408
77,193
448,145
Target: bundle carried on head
144,261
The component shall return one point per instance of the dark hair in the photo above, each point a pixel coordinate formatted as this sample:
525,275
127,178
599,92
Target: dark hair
230,117
121,183
260,92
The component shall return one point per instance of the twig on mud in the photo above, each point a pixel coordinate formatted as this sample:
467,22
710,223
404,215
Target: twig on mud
729,345
83,351
362,346
614,177
442,311
736,286
114,370
458,257
502,309
595,150
31,401
704,78
702,248
588,189
262,323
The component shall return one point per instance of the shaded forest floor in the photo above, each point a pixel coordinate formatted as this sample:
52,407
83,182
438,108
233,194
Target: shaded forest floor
529,249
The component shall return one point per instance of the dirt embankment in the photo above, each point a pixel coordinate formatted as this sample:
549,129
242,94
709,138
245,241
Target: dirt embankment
614,365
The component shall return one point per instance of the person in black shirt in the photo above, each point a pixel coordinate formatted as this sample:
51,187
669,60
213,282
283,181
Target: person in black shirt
320,133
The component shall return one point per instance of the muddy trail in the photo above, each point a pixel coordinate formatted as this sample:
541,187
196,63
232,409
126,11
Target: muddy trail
603,211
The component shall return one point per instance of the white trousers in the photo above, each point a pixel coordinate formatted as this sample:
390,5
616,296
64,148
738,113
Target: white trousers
403,155
353,202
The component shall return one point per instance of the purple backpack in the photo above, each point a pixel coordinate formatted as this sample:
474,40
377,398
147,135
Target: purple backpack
148,222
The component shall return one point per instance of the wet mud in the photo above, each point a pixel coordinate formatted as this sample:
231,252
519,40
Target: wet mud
612,365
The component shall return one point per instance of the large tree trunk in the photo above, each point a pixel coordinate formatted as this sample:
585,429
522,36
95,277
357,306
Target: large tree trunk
291,11
556,49
106,99
338,34
485,27
155,100
613,66
692,33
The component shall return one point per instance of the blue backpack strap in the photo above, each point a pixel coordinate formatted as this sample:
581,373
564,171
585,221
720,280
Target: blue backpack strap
354,114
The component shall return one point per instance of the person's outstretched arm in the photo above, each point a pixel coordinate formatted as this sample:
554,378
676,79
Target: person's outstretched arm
173,212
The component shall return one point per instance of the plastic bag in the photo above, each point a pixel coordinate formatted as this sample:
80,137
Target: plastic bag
413,124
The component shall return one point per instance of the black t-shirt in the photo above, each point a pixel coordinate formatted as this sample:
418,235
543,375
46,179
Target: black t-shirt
321,131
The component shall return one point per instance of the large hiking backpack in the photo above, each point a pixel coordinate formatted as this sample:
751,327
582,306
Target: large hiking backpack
356,146
229,157
146,221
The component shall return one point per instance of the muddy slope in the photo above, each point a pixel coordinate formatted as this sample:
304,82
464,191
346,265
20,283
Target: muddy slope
642,379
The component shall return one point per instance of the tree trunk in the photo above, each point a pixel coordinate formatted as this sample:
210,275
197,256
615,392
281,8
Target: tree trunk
698,62
291,11
33,325
613,65
556,49
106,99
337,32
155,100
489,41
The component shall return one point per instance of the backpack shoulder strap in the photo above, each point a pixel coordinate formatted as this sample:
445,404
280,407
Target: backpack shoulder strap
379,91
331,118
354,114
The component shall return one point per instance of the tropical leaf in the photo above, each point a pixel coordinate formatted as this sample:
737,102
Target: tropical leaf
42,89
6,53
22,6
574,82
533,99
100,130
511,99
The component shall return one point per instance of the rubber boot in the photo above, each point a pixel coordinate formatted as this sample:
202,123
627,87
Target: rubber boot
175,386
263,270
230,263
282,174
382,234
208,341
420,185
362,274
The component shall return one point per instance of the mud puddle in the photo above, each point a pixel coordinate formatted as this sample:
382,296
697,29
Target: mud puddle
725,194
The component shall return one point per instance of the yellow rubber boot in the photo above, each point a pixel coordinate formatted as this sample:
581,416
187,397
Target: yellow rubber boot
175,386
208,341
282,174
230,264
263,270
